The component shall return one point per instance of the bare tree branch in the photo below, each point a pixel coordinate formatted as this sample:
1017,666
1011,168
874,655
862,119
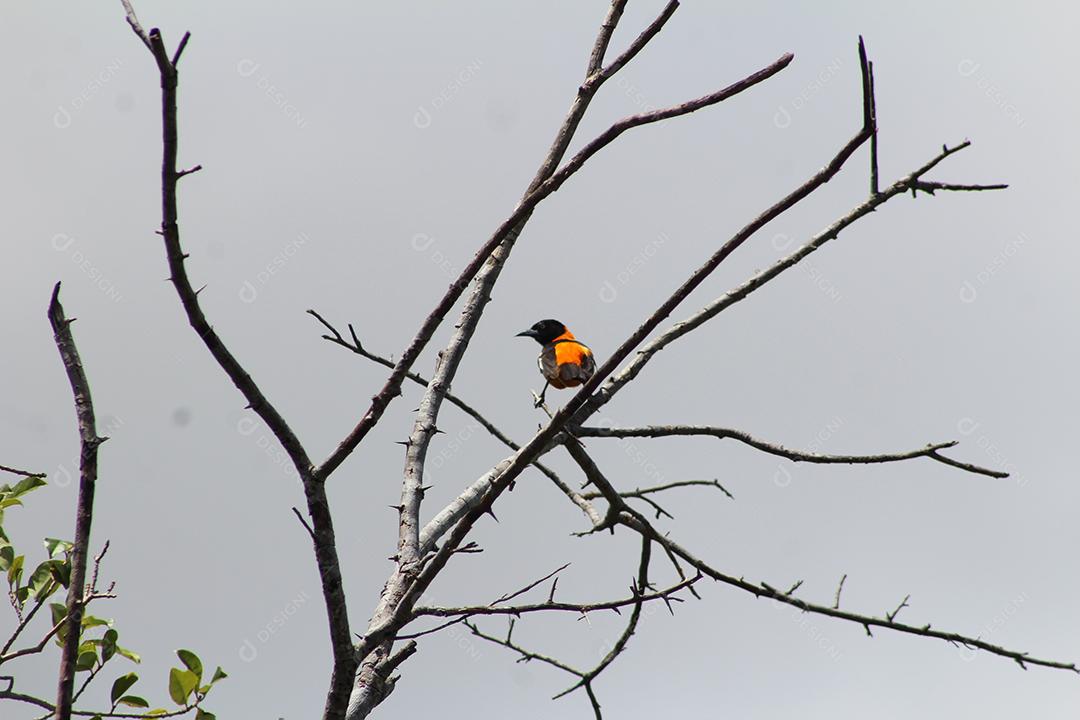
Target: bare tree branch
89,441
628,373
621,514
510,596
16,471
582,608
603,37
585,678
656,431
133,21
639,42
870,114
314,488
526,655
643,493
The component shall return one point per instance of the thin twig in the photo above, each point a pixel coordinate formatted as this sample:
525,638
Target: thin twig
903,604
304,522
870,114
641,40
552,606
24,473
655,431
530,586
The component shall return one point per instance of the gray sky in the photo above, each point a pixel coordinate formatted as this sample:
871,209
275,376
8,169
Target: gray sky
355,156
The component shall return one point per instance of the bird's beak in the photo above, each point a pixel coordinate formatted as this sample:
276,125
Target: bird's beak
530,333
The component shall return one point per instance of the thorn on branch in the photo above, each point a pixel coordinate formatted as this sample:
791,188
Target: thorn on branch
191,170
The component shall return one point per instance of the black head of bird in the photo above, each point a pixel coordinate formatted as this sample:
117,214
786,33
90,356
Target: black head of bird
545,331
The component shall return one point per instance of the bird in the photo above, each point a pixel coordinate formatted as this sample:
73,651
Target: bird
564,361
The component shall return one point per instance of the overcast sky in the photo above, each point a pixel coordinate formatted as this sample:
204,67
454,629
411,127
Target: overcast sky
355,156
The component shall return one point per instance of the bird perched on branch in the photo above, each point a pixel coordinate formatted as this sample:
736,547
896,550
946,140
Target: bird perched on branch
564,362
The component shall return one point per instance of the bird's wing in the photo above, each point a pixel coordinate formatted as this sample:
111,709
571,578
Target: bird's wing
549,366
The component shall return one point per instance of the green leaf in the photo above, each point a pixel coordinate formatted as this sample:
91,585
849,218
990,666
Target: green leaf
192,662
59,612
15,572
219,674
201,714
26,485
90,621
7,556
56,547
87,660
41,579
108,645
181,683
132,656
134,701
121,685
156,711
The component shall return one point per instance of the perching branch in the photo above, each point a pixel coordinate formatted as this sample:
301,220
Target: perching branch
354,345
655,431
84,515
